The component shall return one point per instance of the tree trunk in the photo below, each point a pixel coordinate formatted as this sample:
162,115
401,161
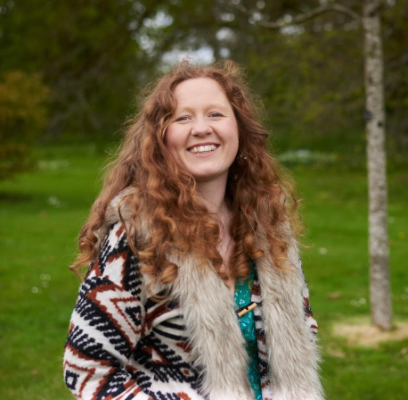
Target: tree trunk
380,288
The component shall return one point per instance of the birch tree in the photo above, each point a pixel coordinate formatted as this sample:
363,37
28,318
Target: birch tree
380,287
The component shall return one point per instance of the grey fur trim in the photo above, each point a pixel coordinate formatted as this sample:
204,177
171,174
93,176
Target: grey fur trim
216,340
212,326
293,356
112,213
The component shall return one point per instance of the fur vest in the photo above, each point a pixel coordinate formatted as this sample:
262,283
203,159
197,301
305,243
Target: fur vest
122,345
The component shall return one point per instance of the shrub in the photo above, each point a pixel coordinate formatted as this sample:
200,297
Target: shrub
23,116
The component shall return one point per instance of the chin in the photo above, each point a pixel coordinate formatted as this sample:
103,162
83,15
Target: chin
207,177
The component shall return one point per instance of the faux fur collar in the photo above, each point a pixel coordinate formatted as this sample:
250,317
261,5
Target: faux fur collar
216,340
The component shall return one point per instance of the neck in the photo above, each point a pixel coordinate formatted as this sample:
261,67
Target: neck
212,194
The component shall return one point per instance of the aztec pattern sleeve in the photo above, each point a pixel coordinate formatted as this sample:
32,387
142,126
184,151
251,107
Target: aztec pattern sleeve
106,325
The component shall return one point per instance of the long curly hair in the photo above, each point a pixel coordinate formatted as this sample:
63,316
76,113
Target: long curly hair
258,192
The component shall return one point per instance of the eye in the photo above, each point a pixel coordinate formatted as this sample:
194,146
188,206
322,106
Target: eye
215,115
180,119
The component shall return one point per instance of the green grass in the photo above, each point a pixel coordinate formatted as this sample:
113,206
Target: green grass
42,213
335,211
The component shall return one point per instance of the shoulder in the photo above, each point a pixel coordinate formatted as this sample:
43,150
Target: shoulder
118,207
116,261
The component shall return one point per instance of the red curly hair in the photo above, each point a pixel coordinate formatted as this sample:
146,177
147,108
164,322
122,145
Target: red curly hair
256,193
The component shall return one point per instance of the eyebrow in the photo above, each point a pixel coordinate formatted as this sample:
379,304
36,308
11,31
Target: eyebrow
214,105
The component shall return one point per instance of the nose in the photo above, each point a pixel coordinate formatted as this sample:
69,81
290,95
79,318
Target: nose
201,127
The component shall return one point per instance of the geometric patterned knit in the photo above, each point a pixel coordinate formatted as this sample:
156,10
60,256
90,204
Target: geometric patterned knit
122,345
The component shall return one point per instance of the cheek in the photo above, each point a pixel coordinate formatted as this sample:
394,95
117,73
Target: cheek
232,128
174,143
171,140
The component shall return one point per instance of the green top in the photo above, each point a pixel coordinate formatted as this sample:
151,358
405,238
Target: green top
243,292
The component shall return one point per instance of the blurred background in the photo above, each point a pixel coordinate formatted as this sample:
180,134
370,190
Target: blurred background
70,73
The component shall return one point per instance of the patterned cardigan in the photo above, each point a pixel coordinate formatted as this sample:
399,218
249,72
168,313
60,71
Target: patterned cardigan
122,345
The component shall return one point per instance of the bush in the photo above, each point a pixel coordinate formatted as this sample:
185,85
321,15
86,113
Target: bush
23,116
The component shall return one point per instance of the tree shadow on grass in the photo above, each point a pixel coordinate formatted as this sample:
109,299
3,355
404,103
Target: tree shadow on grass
15,197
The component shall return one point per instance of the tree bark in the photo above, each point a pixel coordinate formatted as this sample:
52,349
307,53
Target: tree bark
380,287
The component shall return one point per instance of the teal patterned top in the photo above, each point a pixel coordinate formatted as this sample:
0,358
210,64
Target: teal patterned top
243,292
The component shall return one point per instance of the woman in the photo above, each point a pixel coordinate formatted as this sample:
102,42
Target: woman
195,288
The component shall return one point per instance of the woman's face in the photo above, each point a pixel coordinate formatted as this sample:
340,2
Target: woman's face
203,134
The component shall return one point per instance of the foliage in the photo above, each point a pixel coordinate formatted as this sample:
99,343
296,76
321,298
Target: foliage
395,39
23,116
88,55
310,76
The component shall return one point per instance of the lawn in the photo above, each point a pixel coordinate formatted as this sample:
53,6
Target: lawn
42,213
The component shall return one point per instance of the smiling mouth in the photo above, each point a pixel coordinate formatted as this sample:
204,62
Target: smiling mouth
203,149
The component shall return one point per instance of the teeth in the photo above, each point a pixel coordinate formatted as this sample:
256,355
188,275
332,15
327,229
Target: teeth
203,149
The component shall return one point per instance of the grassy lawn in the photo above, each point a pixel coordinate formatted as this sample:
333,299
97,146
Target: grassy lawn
42,213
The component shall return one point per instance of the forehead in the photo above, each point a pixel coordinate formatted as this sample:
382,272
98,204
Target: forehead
198,91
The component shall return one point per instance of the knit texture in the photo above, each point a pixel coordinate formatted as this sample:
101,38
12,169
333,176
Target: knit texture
122,345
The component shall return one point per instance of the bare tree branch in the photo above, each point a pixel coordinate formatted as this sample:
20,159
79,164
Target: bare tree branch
374,6
301,18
